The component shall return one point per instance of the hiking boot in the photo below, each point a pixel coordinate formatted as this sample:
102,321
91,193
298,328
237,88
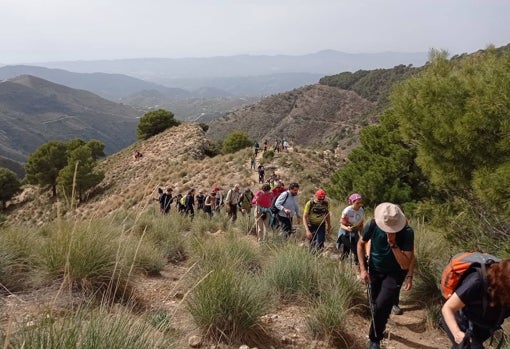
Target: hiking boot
396,310
374,345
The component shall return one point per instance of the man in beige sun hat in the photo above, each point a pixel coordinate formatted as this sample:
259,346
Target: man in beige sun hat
391,254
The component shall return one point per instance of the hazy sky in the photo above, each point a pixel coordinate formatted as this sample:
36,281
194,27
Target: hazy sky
53,30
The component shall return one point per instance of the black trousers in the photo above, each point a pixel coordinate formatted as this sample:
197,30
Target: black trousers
385,287
479,335
286,225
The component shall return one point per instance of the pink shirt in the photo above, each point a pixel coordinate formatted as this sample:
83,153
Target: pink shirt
263,199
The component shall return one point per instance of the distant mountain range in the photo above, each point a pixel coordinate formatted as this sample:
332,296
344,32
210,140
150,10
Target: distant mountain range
34,111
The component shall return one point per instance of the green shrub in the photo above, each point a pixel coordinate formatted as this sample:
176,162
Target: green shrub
16,246
236,141
268,155
155,122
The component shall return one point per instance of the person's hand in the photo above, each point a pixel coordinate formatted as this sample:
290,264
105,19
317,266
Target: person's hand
364,276
408,283
349,228
459,337
392,238
309,234
287,211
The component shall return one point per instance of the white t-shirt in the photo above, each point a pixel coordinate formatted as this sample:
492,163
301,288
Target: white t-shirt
352,217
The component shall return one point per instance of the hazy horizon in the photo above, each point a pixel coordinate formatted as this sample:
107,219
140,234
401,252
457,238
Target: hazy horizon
61,30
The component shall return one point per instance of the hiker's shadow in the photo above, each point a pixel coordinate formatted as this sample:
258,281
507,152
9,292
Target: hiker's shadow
410,344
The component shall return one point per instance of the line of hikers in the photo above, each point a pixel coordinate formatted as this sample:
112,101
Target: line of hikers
383,249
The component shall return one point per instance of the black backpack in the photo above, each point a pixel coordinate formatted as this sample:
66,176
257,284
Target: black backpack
274,210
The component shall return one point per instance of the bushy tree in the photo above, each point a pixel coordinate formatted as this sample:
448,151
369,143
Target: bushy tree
155,122
382,168
457,115
44,164
9,185
79,172
236,141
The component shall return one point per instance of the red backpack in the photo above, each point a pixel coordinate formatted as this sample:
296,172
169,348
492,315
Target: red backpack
462,264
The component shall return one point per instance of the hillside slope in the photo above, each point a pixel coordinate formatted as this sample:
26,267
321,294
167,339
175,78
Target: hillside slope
312,115
175,158
34,111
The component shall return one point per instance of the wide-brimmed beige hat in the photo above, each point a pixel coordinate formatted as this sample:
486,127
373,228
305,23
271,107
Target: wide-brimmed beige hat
389,217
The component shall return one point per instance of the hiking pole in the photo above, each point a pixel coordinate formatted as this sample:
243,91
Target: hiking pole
372,307
351,256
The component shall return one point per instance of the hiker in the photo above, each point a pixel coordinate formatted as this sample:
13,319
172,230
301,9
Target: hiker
165,201
200,200
210,203
285,145
288,207
219,199
316,220
190,203
261,171
256,148
478,307
180,203
278,189
137,155
252,162
232,200
351,225
391,254
245,201
265,145
159,199
262,200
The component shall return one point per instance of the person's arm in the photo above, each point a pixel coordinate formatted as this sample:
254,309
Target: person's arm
306,216
404,258
453,305
279,202
408,282
328,223
363,267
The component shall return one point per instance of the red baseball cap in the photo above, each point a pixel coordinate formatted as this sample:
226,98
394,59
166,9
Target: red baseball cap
320,194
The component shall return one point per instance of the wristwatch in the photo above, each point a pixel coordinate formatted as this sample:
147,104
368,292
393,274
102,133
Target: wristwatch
394,246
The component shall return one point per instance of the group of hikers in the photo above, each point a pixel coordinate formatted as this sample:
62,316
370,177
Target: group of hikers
382,249
278,146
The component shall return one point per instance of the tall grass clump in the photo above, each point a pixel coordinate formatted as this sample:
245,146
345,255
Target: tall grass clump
16,246
90,329
292,271
227,303
85,256
339,293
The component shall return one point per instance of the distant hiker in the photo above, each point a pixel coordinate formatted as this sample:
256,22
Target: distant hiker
265,145
252,162
277,146
210,204
316,220
165,201
391,254
180,203
261,172
478,307
219,198
200,200
285,145
232,201
288,207
262,200
245,201
158,198
137,155
190,203
351,226
256,148
278,189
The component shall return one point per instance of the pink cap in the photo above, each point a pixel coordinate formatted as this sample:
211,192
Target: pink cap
354,197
